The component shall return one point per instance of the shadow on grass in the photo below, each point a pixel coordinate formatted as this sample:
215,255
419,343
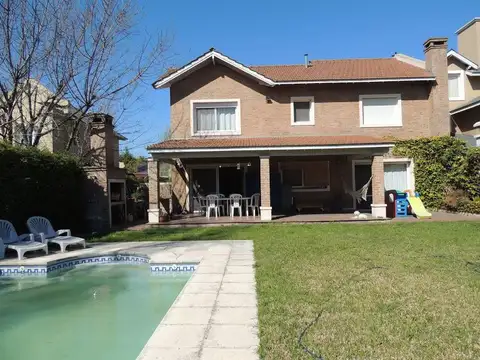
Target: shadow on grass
173,234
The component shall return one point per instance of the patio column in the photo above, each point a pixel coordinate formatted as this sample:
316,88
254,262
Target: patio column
265,207
157,206
379,208
153,167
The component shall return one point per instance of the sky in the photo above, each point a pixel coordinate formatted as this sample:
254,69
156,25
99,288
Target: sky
262,32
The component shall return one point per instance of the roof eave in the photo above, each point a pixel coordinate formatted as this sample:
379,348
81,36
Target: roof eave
210,55
465,108
462,59
353,81
270,148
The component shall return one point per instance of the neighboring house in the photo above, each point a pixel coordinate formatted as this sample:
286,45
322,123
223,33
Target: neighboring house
96,142
463,82
300,135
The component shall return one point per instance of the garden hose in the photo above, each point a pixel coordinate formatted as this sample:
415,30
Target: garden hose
305,348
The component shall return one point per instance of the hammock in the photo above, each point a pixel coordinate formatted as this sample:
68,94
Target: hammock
360,194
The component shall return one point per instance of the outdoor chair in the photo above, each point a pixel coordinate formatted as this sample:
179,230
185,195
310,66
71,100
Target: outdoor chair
202,202
42,227
9,239
221,205
235,203
212,204
254,205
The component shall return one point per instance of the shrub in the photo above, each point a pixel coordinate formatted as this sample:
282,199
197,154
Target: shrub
454,198
447,171
35,182
470,206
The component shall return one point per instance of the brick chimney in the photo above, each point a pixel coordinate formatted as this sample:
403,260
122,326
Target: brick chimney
436,62
102,138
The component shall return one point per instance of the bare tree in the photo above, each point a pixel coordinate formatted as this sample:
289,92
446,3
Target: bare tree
62,60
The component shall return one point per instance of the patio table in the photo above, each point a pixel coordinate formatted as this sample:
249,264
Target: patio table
226,202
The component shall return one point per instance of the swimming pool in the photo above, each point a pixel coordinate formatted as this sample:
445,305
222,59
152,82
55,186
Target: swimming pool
89,312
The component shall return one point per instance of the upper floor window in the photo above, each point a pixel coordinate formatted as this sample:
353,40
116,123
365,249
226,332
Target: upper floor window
216,117
383,110
302,110
456,85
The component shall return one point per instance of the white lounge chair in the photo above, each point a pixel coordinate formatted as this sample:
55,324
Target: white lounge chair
9,239
40,226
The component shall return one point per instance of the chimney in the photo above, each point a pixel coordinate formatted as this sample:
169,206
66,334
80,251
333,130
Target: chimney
436,62
468,39
102,139
306,60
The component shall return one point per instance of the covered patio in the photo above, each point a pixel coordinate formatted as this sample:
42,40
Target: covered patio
293,175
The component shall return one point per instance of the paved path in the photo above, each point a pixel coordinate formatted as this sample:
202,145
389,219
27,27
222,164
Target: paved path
215,316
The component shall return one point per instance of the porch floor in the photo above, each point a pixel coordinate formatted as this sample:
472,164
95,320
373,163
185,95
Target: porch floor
201,220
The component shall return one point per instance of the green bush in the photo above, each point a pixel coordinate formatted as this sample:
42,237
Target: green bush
469,206
444,168
34,182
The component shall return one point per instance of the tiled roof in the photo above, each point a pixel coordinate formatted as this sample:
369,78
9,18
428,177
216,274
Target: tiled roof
319,70
345,69
291,141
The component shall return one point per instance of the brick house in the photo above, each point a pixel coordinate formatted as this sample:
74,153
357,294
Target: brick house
300,135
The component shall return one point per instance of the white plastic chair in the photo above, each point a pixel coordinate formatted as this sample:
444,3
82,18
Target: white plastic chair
42,227
235,203
254,205
212,204
220,204
202,202
9,239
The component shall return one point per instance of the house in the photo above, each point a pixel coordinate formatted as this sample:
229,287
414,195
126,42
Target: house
300,135
96,143
463,82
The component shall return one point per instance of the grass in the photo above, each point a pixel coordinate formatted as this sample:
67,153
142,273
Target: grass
383,291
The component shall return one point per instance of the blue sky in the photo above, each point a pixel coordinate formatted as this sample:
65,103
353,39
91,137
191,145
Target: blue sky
258,32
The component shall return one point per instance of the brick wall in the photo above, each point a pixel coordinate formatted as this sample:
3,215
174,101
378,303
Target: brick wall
336,105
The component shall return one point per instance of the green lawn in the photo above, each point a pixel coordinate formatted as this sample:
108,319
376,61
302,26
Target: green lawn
384,291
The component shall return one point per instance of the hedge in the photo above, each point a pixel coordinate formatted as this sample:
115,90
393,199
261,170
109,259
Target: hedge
34,182
443,164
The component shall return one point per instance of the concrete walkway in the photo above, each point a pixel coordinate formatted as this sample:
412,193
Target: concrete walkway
215,316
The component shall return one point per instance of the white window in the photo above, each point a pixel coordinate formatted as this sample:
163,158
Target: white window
477,140
456,85
396,176
380,110
302,110
216,117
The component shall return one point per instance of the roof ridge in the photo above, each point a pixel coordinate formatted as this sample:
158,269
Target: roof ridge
315,60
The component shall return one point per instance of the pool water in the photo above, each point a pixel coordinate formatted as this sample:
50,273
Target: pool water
92,312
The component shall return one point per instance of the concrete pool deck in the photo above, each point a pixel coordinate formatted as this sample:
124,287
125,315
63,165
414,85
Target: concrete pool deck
215,315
